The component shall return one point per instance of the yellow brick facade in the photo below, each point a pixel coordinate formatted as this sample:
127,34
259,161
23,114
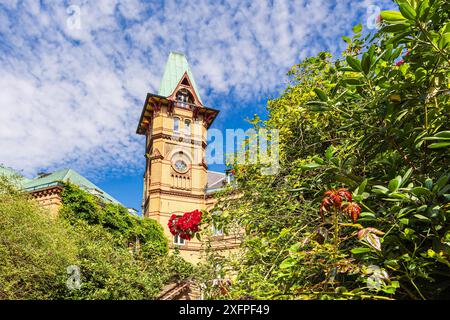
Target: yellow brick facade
176,174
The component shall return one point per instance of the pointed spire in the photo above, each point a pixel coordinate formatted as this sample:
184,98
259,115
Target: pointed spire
174,70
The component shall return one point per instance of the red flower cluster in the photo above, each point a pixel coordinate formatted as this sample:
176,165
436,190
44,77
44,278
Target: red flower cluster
186,225
335,198
353,210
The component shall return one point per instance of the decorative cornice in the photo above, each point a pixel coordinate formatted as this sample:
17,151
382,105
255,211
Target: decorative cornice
153,104
175,138
48,191
177,193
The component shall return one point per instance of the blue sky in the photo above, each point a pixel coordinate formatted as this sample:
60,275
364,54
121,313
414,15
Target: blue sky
74,74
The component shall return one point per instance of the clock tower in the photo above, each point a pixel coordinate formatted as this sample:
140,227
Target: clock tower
174,122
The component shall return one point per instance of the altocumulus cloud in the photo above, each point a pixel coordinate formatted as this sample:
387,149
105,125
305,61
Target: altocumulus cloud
73,74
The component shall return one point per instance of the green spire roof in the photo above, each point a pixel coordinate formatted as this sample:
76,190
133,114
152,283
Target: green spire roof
174,70
68,175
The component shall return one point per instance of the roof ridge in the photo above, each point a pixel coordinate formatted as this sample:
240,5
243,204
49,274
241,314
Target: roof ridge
67,172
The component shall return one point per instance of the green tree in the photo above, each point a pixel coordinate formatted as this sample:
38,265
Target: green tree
34,250
377,122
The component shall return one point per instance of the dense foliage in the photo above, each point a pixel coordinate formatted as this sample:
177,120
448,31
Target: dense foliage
375,122
34,250
145,235
38,254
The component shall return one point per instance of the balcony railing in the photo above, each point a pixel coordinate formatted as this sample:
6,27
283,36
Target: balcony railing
185,105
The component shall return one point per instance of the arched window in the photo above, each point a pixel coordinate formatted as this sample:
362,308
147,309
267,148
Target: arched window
176,124
187,127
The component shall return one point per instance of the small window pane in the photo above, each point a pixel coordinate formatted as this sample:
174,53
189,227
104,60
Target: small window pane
187,127
177,240
216,231
176,124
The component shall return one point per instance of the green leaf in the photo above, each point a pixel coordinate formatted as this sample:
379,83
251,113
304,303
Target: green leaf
352,81
404,221
421,11
329,152
321,94
406,176
295,247
394,184
395,27
361,187
360,250
287,263
443,134
365,63
367,215
391,16
420,73
355,64
440,183
421,191
439,145
380,189
421,217
407,11
347,39
357,28
444,41
310,166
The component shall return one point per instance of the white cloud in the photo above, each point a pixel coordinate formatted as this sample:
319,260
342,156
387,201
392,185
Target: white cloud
73,96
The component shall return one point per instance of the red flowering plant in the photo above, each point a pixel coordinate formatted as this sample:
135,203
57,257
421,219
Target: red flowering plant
341,200
185,226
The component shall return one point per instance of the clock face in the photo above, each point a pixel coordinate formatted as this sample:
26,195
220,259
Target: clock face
180,165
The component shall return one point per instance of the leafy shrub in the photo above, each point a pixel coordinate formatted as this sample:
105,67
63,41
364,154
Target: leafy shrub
36,250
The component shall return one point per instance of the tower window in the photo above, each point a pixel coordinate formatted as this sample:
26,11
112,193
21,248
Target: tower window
176,124
184,96
187,127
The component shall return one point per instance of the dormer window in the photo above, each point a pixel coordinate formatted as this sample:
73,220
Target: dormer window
184,96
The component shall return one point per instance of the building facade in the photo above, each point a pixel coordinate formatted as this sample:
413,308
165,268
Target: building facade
174,122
